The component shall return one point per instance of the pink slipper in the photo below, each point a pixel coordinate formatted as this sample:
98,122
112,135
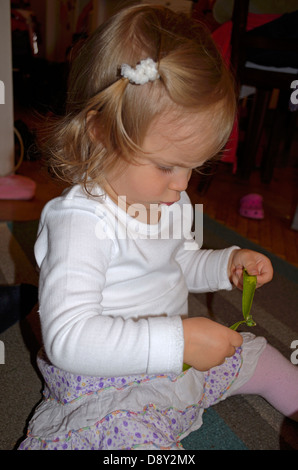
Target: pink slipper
251,206
17,187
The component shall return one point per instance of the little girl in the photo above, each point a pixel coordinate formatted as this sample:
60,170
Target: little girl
149,101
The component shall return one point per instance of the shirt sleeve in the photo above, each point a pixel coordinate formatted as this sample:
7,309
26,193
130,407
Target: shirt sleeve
77,336
206,270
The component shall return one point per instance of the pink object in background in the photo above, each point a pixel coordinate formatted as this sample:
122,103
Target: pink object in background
17,187
251,206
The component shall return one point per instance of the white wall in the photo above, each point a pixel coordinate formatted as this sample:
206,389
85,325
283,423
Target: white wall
6,109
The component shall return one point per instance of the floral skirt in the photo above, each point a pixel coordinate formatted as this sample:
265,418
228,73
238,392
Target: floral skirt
133,412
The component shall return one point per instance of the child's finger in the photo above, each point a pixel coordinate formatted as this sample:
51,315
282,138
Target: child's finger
236,339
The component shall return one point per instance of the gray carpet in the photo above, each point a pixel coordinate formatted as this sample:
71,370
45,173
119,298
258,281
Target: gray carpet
239,423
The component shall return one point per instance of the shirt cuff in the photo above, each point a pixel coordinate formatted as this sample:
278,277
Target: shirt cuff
217,269
166,345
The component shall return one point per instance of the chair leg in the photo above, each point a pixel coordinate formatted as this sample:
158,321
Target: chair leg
291,125
254,132
276,136
271,152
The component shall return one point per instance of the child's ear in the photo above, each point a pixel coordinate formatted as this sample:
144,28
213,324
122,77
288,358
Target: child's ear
93,126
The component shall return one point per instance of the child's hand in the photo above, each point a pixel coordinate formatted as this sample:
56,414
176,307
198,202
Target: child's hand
255,264
207,343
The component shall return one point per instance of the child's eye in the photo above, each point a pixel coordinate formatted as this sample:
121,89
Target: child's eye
165,169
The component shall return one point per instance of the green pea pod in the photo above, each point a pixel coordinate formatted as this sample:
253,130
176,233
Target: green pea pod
235,326
249,287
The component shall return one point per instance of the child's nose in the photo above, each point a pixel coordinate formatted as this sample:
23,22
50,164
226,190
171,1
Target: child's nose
180,180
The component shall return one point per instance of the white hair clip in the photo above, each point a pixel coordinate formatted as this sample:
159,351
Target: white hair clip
144,72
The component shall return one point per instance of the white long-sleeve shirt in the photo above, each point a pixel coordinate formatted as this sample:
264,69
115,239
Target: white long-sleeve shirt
113,290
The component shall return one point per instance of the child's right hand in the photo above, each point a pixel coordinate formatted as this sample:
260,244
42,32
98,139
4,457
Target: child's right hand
207,343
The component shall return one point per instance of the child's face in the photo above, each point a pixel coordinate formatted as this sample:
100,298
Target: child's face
175,148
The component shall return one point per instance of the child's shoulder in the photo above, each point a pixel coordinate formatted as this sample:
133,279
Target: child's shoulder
73,199
77,194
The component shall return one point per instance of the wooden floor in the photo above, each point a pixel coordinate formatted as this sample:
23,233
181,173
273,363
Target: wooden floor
221,202
280,197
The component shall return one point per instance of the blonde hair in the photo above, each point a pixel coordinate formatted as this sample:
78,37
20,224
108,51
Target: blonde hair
107,116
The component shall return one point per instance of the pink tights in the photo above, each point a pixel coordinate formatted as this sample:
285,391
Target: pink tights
276,380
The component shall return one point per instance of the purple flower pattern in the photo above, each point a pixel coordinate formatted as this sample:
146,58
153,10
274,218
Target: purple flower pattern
152,426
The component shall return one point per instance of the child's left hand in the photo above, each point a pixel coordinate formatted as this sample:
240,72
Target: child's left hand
255,263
